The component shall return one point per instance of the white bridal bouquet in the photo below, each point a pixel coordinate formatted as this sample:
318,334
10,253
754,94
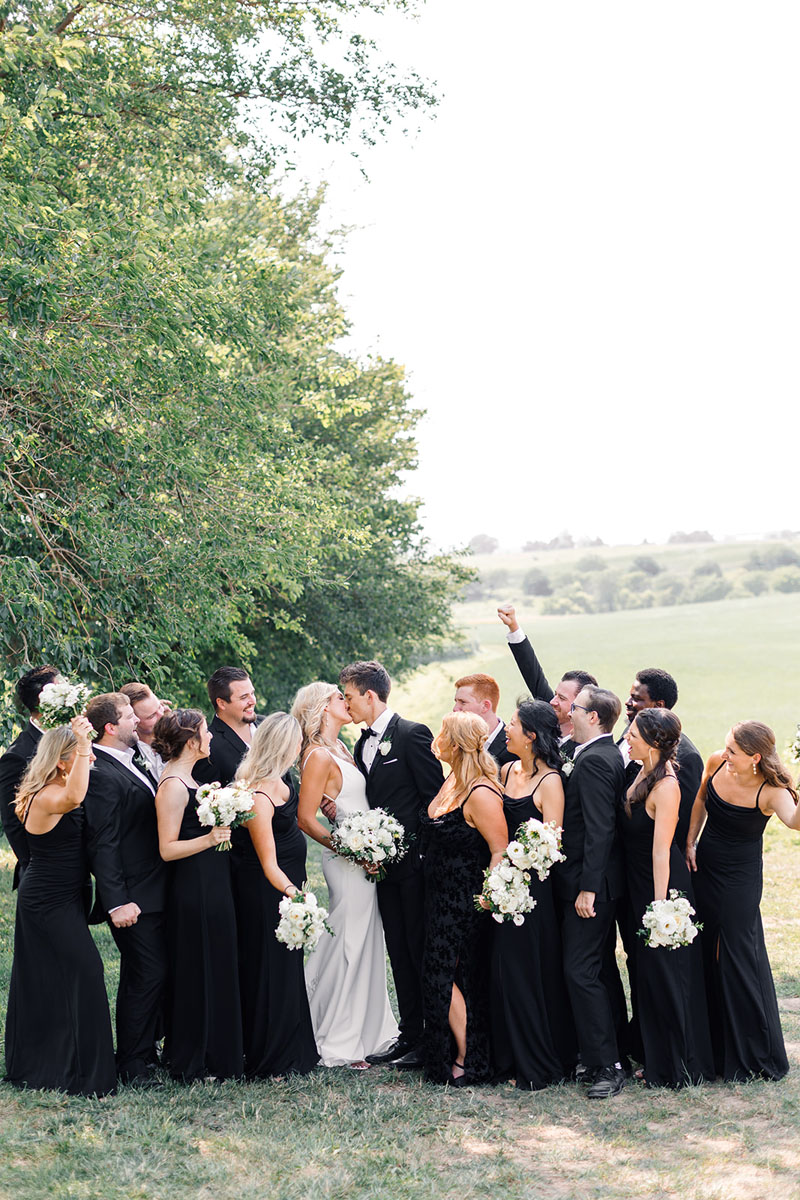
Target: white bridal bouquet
60,701
506,892
303,921
218,805
373,837
537,847
668,923
794,747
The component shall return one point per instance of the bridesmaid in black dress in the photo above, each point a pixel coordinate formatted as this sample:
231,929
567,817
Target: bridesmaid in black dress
533,1036
58,1027
463,832
203,1022
670,994
269,862
742,787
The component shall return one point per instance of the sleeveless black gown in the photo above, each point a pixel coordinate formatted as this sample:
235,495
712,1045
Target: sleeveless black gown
58,1027
745,1024
533,1036
670,992
276,1021
456,944
203,1021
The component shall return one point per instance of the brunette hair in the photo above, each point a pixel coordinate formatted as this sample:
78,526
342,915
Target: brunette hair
538,720
55,745
368,677
174,730
219,685
466,734
582,678
756,738
484,687
605,704
661,729
29,685
136,691
272,750
105,709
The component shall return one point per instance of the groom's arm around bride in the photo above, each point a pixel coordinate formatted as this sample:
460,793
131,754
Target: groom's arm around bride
402,777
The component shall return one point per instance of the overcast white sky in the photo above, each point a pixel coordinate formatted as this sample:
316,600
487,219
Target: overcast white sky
589,263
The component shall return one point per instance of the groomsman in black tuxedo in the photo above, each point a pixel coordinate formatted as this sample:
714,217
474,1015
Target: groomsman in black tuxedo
402,776
480,694
16,759
531,670
122,841
233,699
588,884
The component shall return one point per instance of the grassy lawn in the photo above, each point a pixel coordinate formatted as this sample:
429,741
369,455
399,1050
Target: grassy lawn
347,1136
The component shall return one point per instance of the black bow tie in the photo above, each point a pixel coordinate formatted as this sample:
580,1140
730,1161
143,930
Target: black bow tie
369,732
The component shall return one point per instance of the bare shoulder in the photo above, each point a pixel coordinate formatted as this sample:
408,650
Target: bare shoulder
715,760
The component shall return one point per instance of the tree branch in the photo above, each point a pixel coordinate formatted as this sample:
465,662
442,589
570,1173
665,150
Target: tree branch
68,19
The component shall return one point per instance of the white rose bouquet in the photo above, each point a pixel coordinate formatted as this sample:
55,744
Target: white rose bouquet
537,847
224,806
794,747
60,701
303,921
506,893
371,838
668,923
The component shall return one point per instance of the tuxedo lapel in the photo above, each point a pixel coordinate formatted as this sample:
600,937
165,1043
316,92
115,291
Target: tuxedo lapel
127,775
358,756
386,736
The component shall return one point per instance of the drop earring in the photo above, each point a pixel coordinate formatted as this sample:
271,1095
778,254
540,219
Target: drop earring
755,769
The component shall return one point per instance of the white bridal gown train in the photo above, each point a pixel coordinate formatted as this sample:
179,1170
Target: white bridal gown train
346,974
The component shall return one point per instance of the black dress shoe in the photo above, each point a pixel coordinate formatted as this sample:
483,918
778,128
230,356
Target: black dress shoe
396,1050
609,1081
412,1061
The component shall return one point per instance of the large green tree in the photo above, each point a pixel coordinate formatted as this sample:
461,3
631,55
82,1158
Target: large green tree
190,470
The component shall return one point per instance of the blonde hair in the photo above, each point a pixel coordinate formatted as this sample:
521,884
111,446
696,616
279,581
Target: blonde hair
56,745
308,710
465,734
272,750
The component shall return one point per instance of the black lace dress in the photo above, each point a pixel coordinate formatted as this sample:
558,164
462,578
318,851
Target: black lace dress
58,1027
743,1009
278,1035
670,993
203,1015
533,1035
457,943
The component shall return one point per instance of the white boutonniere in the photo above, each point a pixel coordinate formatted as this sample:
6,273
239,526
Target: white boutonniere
384,747
567,766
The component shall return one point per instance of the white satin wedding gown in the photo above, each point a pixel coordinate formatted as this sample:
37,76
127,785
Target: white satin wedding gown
346,974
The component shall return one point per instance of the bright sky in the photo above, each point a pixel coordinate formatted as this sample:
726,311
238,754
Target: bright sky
589,263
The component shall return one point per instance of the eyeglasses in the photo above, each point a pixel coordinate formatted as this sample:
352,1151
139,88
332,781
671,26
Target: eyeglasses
572,708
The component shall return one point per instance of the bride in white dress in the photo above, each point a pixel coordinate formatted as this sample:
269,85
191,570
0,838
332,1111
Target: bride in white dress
345,974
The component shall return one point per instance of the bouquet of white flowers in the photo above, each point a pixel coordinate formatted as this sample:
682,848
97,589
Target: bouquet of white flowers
303,921
224,806
794,747
506,892
668,923
537,847
373,837
60,701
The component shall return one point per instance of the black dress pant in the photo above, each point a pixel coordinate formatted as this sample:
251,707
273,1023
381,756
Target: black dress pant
589,977
402,908
142,975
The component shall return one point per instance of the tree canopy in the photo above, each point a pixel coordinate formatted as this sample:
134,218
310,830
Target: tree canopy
191,469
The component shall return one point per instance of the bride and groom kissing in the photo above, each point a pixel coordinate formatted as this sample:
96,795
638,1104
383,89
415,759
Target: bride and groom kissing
393,767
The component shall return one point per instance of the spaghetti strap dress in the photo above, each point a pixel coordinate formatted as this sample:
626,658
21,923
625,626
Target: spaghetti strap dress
457,943
670,993
533,1035
276,1020
743,1009
58,1026
203,1017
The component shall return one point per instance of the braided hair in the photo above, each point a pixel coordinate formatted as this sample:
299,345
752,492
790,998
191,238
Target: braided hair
661,729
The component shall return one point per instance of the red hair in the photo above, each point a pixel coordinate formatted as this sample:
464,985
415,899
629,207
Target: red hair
484,687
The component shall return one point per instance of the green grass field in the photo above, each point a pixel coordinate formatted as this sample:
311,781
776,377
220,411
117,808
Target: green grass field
338,1135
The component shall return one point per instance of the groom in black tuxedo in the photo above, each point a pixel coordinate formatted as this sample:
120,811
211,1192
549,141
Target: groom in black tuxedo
588,884
122,842
402,777
16,759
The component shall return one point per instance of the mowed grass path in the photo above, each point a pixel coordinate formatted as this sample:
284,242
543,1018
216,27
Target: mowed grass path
348,1136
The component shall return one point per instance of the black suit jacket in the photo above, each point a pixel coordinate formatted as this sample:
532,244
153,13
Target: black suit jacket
690,773
531,670
227,751
12,768
403,781
122,839
594,793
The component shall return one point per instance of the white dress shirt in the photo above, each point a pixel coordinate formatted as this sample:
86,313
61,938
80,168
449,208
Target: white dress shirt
370,747
126,758
155,763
